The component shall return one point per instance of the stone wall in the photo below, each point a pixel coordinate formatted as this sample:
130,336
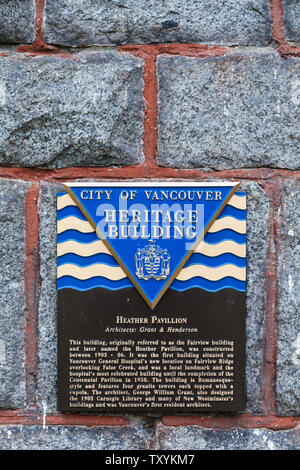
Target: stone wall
131,89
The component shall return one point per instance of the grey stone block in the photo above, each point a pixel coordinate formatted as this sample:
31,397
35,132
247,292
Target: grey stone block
258,214
47,326
102,22
12,296
292,19
288,336
58,112
197,438
7,50
131,437
17,21
236,111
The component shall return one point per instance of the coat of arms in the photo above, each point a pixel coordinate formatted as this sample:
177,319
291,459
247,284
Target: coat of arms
152,262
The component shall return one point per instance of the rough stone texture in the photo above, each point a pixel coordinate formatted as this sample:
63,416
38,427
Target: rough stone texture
73,438
258,214
292,19
47,328
197,438
288,337
58,112
258,207
17,21
227,112
12,298
86,22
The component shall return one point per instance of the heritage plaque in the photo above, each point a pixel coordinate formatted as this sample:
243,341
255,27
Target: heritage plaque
151,284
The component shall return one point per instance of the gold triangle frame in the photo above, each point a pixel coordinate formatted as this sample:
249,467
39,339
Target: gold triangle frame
152,305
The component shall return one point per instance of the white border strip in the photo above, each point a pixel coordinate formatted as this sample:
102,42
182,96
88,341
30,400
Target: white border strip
149,184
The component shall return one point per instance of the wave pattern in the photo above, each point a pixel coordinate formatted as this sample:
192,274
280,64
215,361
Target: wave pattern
219,262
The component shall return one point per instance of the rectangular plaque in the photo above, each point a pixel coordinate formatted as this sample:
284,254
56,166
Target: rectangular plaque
151,285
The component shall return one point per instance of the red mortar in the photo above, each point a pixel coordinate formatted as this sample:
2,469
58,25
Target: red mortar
278,31
39,47
31,277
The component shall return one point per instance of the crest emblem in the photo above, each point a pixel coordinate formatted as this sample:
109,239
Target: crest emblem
152,262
